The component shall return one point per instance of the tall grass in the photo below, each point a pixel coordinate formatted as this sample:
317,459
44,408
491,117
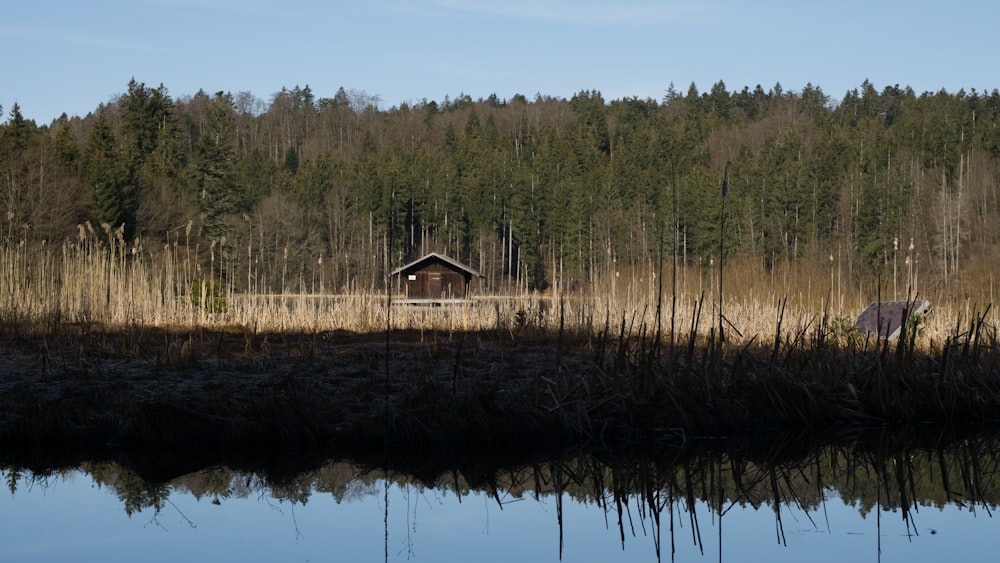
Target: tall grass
98,277
590,366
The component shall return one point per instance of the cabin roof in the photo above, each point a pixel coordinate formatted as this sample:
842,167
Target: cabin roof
439,257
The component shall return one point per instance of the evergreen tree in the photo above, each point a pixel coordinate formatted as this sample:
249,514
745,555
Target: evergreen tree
212,169
66,149
583,187
291,160
105,174
148,148
16,143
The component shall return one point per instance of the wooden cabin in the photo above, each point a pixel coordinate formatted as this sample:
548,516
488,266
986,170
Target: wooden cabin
436,277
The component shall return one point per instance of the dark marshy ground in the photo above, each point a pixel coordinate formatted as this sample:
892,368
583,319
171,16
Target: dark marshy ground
87,387
95,386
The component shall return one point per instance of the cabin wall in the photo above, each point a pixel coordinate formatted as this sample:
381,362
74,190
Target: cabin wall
434,281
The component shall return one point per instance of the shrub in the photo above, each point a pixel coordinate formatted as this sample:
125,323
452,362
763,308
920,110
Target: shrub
207,295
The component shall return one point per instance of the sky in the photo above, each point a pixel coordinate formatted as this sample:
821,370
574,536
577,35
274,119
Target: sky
70,56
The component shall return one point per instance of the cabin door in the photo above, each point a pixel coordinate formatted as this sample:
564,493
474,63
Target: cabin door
434,285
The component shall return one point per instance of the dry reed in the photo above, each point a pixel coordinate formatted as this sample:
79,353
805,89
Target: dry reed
101,278
172,355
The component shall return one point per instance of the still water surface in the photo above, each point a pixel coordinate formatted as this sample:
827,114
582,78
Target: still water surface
839,502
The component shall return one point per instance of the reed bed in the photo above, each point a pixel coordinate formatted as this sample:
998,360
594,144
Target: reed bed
101,278
509,387
105,343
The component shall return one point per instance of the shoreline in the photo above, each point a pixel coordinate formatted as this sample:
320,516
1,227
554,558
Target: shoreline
411,390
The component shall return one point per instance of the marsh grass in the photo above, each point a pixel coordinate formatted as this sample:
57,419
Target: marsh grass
101,278
506,387
106,343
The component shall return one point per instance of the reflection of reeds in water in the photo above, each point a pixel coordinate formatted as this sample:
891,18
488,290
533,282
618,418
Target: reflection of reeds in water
660,495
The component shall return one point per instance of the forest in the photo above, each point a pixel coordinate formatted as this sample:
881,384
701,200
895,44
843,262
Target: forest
885,190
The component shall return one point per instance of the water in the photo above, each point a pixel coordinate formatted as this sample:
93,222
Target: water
840,501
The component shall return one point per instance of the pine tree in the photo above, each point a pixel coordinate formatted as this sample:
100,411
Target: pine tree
105,175
213,177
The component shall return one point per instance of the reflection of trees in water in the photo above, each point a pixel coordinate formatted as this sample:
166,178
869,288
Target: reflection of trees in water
645,492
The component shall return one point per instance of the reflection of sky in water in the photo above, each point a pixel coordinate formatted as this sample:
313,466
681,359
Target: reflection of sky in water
71,519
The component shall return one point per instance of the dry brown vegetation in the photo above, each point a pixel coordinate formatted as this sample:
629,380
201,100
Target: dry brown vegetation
102,278
104,343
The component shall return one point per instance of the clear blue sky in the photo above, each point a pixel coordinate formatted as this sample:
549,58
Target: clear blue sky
72,55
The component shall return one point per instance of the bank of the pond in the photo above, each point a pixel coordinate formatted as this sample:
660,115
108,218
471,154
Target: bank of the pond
238,390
